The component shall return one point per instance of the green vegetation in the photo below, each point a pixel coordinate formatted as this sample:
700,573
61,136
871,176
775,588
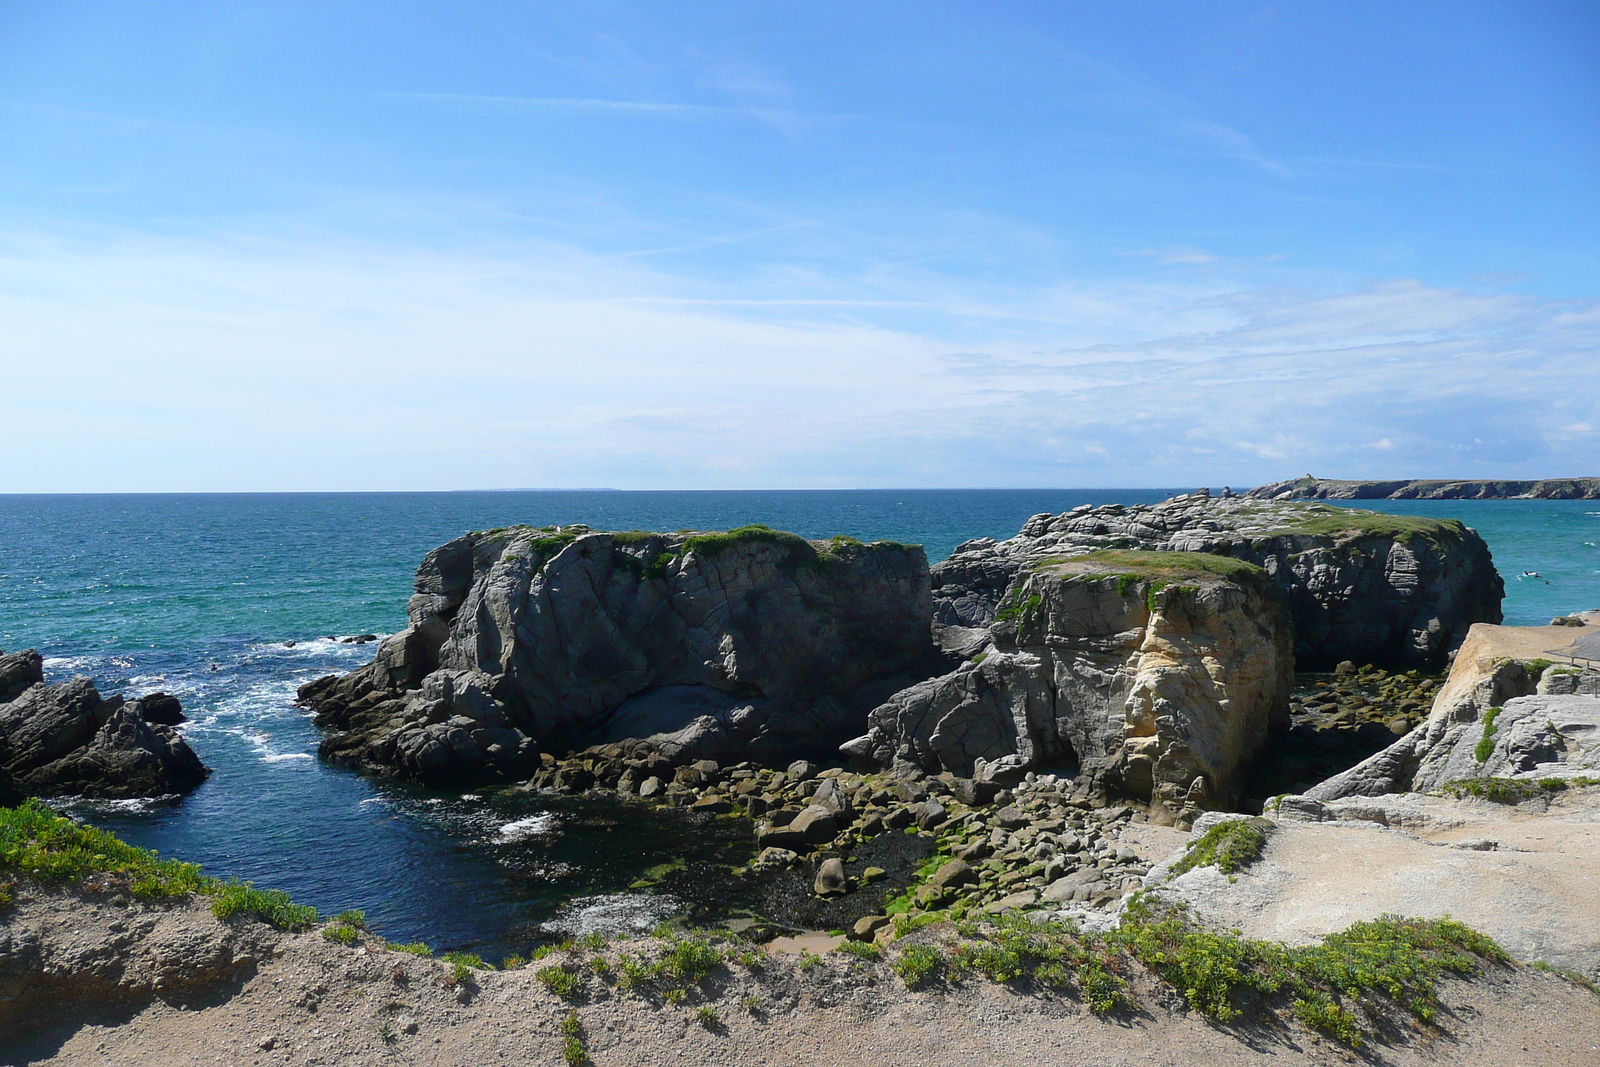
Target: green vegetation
751,1004
342,933
865,950
1230,846
35,841
1134,565
1390,960
572,1050
1399,960
1015,607
1485,747
1511,790
916,964
467,959
272,906
1348,523
560,980
416,948
1536,666
706,1016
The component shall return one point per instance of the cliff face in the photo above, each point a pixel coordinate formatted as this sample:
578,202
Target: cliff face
1157,675
65,739
1361,586
1309,488
753,642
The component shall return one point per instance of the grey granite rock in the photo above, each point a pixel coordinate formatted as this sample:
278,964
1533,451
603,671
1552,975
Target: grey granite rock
1158,675
1361,586
748,645
66,740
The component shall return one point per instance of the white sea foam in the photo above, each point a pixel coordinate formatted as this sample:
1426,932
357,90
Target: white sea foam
523,829
615,913
285,757
92,806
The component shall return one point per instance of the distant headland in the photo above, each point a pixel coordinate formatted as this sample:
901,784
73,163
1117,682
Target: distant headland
1311,488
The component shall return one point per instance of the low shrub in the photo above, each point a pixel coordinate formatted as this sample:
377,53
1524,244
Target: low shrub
560,980
573,1052
865,950
916,964
1485,746
416,948
272,906
1230,846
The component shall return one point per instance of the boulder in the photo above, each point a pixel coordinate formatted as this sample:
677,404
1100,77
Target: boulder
751,644
64,739
1157,674
1360,585
831,880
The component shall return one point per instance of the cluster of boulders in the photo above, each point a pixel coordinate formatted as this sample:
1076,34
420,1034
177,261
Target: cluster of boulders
1041,840
1362,698
66,740
747,644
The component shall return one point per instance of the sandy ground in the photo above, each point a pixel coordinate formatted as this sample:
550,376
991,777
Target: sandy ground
1537,891
301,1000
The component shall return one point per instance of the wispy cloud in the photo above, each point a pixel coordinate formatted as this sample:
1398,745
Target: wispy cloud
255,365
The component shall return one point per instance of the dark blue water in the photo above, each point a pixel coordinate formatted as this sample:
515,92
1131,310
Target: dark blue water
197,595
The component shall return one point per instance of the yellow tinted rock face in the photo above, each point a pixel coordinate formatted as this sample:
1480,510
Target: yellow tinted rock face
1158,683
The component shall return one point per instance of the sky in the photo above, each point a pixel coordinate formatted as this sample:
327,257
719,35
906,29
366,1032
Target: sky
410,246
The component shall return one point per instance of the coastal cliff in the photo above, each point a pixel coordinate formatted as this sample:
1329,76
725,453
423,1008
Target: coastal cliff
1156,675
1361,586
1309,488
752,644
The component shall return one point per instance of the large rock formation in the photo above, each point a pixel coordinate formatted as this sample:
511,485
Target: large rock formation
1505,711
1362,586
751,644
59,740
1309,488
1156,674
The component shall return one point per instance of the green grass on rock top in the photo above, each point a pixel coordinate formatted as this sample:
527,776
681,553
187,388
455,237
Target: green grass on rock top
35,842
1149,563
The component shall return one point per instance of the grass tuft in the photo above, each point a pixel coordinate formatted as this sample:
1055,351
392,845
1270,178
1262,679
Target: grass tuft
560,980
1230,846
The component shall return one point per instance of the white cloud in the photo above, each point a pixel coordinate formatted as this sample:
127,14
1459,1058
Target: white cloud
138,363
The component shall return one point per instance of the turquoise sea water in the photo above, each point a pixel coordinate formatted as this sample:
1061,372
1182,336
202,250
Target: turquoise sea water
198,594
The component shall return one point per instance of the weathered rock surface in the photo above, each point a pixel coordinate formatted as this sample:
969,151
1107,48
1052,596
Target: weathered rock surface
750,644
1156,675
1497,667
1309,488
1362,586
1522,873
65,739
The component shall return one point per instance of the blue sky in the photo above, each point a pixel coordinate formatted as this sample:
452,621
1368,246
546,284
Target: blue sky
424,246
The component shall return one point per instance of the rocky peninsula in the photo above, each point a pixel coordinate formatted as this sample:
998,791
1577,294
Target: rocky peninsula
1039,831
1310,488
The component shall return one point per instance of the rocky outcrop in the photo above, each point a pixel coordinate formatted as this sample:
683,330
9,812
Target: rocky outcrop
59,740
1498,669
1309,488
751,644
1157,675
1361,586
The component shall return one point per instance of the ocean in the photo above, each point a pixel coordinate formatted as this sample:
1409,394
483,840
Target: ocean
201,596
